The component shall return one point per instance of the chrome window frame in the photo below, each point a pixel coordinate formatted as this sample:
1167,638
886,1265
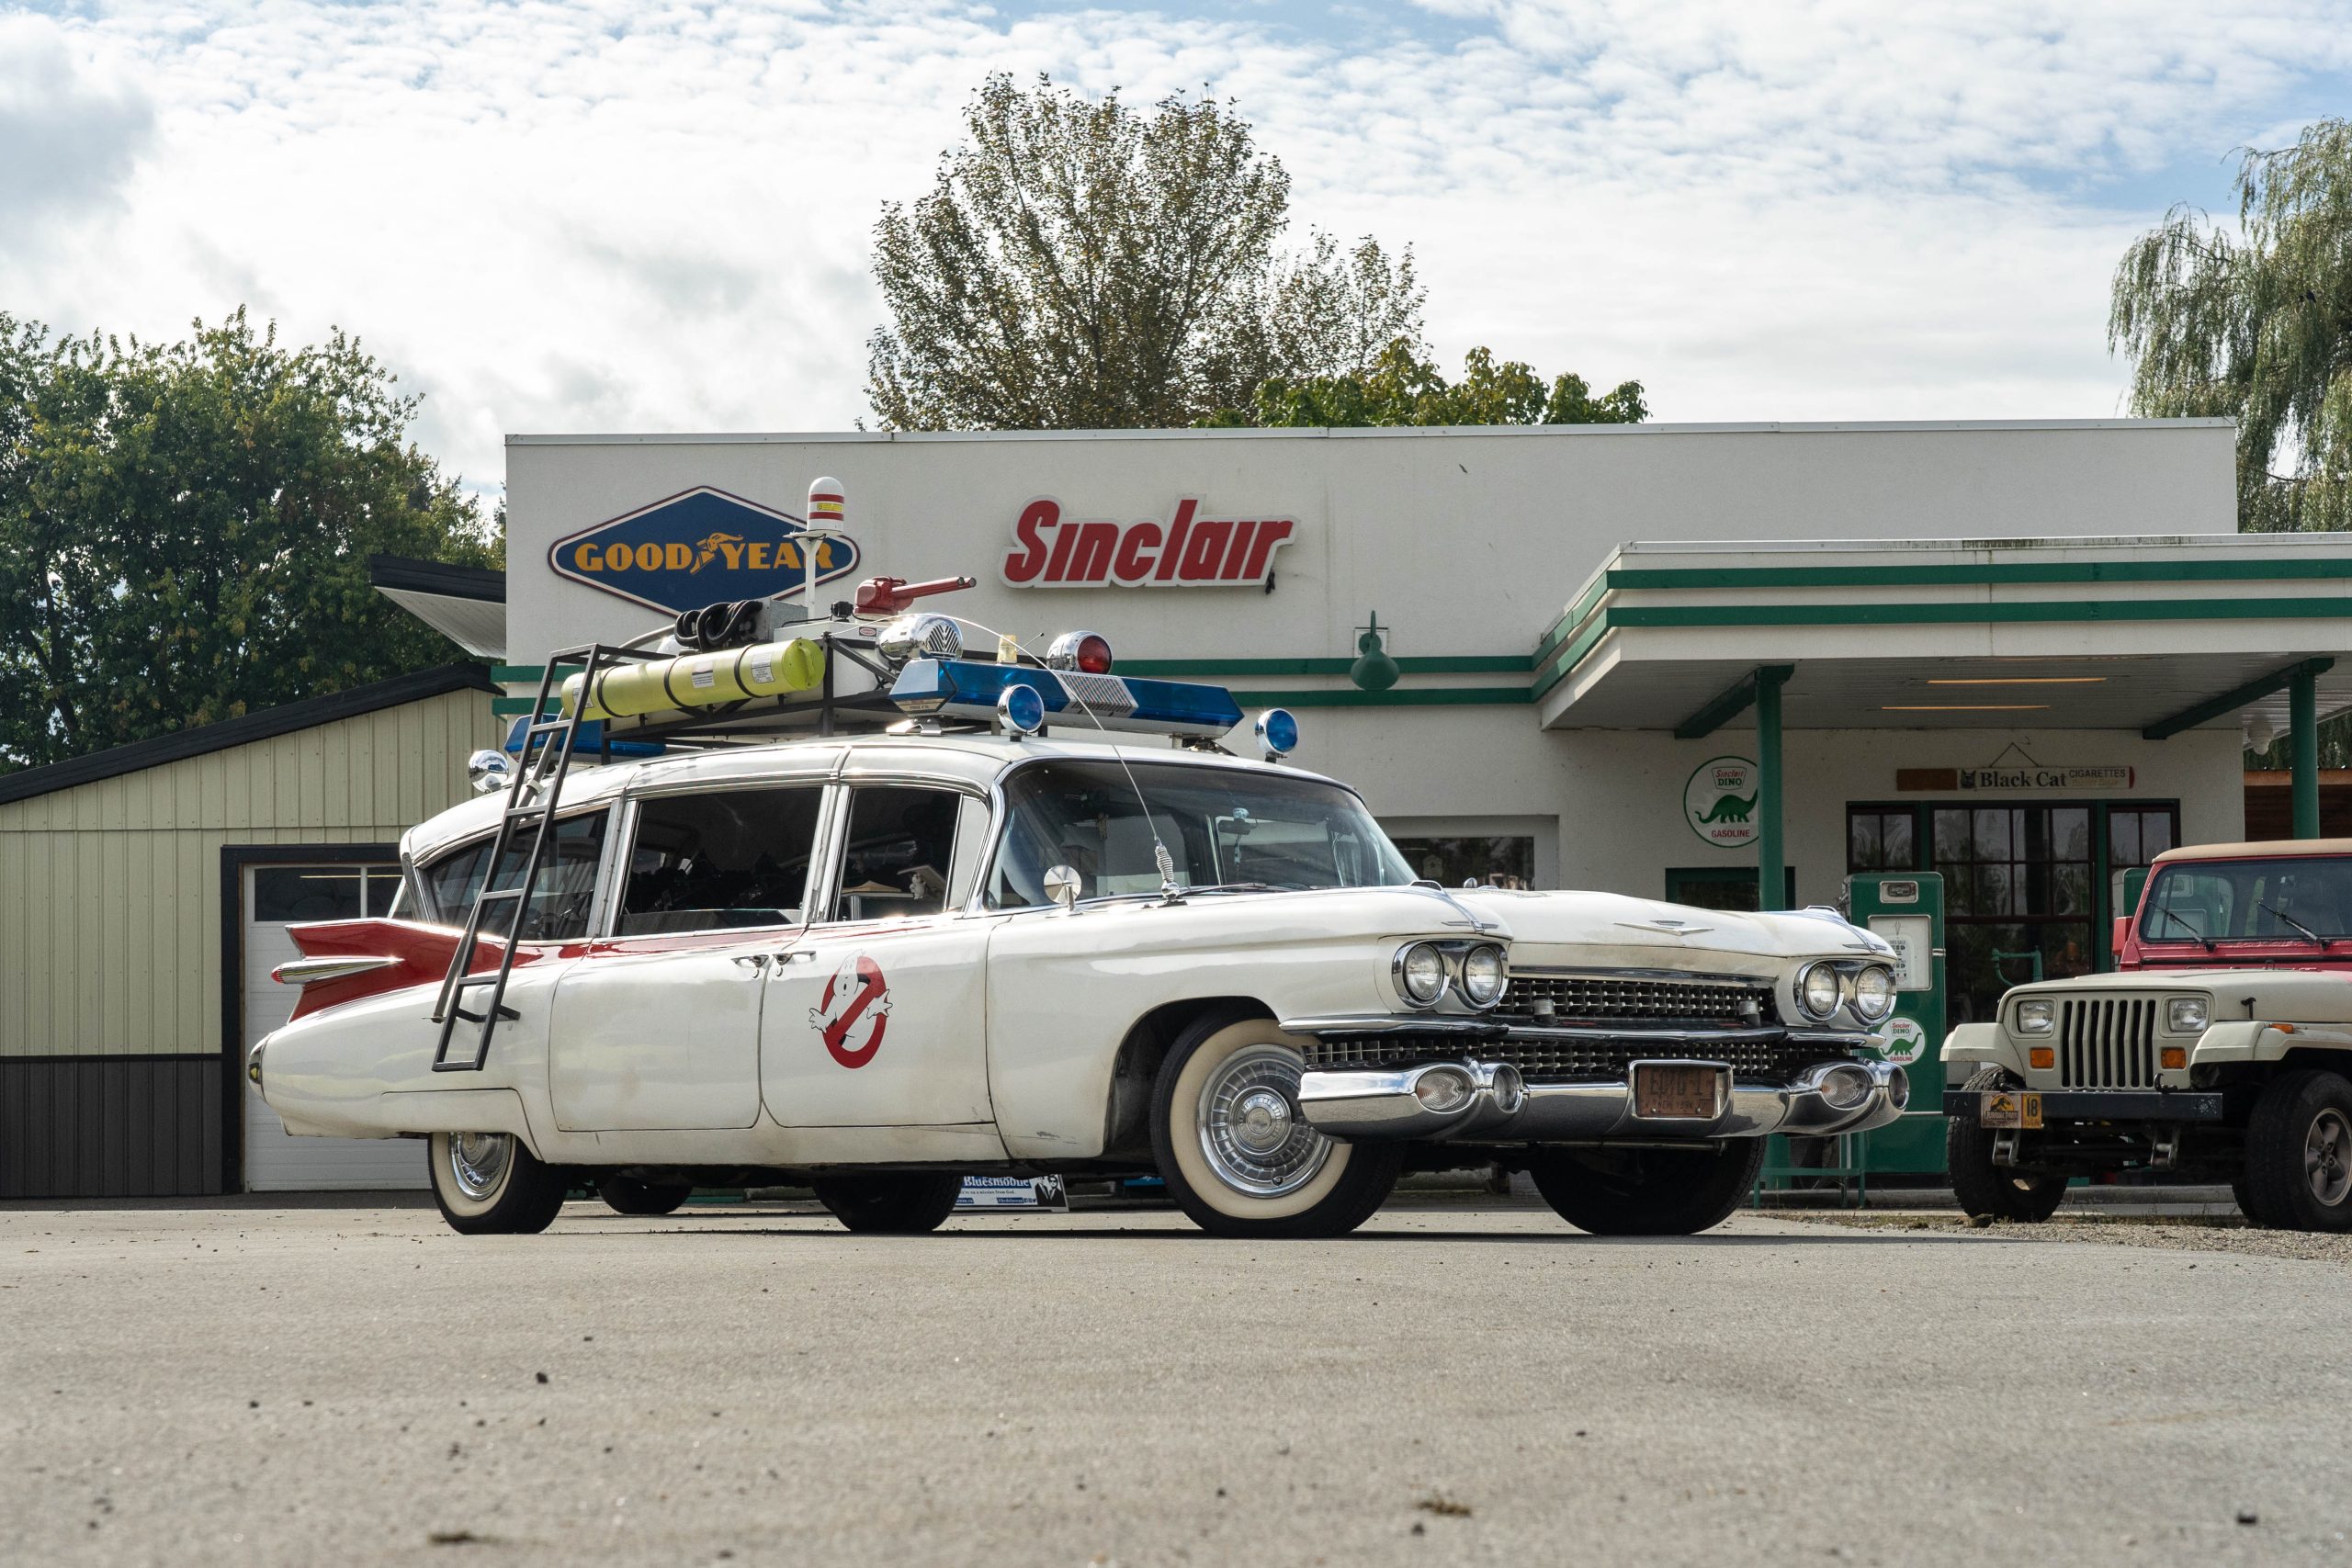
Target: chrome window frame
607,925
834,827
414,872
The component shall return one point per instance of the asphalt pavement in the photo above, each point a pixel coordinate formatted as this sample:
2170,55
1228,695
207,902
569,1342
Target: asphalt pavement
753,1386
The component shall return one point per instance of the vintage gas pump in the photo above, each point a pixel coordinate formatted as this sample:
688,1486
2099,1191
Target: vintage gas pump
1907,910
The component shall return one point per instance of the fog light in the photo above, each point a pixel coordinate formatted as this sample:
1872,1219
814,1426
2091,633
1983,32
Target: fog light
2041,1056
1509,1088
1846,1087
2175,1057
1898,1088
1442,1088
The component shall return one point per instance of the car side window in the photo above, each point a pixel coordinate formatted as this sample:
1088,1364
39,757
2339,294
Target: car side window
898,857
720,860
559,906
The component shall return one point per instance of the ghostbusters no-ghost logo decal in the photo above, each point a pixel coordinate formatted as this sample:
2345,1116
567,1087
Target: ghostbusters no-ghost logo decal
853,1011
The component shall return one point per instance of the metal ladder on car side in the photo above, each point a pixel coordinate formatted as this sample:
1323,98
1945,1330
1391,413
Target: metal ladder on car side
532,796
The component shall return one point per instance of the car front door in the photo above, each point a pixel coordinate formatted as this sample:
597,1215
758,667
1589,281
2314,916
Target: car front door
876,1016
659,1028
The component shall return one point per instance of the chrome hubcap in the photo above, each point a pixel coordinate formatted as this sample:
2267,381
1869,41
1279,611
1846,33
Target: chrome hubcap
1250,1128
2328,1158
477,1161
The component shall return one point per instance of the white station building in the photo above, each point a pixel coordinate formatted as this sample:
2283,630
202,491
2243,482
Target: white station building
1707,662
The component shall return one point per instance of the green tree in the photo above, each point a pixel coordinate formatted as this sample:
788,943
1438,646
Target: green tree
184,531
1079,265
1402,386
2257,327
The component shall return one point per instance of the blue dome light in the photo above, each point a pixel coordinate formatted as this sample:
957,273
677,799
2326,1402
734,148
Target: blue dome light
1021,709
1277,732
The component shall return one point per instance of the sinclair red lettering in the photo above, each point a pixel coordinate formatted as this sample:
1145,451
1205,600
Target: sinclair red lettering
1188,551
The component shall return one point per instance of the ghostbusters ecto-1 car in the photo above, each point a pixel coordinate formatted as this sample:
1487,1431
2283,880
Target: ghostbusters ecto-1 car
1030,918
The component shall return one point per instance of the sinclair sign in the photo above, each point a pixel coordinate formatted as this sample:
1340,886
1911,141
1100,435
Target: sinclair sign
1191,549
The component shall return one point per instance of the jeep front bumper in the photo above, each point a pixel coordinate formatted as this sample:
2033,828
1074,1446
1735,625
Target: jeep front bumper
2103,1104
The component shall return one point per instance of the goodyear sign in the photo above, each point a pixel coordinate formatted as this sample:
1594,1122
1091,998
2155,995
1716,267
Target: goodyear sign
699,549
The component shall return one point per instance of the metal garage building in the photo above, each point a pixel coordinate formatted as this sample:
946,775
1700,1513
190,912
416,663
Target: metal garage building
144,893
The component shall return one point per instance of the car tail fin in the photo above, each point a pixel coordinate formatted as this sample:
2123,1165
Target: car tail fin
344,961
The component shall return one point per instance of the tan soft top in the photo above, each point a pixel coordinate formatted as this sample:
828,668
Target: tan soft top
2260,849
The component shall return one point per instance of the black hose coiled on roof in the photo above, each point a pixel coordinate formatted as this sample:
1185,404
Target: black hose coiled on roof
720,625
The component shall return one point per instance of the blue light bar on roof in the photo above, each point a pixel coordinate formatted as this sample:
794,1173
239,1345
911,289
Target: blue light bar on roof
588,744
967,688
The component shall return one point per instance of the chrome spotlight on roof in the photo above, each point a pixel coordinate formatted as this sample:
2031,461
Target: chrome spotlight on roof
1088,651
921,637
487,771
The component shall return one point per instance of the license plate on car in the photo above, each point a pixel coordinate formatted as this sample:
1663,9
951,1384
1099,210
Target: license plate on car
2009,1108
1681,1094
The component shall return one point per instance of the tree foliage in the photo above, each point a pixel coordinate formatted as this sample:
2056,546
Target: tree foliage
1402,386
2257,327
1079,265
184,529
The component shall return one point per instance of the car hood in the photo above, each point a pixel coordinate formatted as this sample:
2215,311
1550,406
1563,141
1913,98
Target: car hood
1587,930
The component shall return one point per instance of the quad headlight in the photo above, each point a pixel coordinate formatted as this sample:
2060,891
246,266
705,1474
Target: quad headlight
2186,1015
2035,1016
1483,976
1818,990
1421,974
1875,993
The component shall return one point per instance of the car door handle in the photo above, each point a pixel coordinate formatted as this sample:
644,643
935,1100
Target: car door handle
752,960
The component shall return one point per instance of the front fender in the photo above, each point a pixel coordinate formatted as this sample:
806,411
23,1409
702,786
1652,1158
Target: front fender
1985,1043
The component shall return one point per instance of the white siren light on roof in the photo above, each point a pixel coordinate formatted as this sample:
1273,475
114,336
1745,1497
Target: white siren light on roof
1086,651
828,503
921,637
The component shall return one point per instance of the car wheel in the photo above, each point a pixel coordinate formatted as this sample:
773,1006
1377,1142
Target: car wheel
489,1184
2299,1153
1238,1157
891,1202
2242,1191
1649,1191
1987,1191
650,1200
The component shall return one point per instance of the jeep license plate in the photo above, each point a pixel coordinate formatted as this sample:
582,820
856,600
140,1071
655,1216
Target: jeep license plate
2009,1108
1680,1094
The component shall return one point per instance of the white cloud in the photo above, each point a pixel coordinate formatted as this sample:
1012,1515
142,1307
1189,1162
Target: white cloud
656,216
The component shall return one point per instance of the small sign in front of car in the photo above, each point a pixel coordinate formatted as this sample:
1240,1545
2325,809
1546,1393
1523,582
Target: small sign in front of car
2020,1108
1045,1192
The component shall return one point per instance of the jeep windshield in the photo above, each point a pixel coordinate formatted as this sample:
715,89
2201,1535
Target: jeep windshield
1227,829
2305,899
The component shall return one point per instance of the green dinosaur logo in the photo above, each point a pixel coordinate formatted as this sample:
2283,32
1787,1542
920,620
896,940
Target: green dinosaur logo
1730,809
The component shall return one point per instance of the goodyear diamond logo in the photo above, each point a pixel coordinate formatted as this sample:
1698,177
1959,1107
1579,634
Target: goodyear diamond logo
699,548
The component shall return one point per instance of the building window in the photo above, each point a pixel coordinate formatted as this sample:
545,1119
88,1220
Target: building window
1504,861
1881,840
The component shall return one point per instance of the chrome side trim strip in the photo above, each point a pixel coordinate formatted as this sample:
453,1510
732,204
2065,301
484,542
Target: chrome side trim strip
315,971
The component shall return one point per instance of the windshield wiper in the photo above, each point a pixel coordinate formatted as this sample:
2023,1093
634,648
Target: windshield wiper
1246,887
2282,914
2195,935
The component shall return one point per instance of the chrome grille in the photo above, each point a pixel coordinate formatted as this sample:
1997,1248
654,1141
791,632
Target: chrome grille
1574,1060
2106,1042
1614,999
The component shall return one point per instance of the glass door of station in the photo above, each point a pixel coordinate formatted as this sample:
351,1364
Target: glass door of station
2026,885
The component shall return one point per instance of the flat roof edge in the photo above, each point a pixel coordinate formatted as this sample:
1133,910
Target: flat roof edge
1764,427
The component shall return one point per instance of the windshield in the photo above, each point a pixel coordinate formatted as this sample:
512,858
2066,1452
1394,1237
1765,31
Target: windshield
2263,900
1225,826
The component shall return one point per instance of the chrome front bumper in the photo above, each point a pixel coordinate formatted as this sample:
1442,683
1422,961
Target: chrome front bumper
1385,1102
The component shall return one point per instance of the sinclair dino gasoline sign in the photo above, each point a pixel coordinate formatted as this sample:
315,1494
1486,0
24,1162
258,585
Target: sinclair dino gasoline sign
1719,801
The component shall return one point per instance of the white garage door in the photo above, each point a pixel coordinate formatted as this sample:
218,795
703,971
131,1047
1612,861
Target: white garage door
276,897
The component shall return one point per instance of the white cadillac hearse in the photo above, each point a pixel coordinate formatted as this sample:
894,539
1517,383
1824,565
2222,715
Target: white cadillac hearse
1042,924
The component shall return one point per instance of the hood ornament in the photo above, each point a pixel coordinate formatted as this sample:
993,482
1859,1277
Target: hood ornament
1666,924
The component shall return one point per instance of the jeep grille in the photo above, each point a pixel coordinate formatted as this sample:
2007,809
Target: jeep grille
2106,1042
1571,999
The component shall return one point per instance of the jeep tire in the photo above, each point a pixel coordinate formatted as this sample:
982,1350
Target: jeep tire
1995,1192
1238,1157
2299,1153
891,1202
1649,1191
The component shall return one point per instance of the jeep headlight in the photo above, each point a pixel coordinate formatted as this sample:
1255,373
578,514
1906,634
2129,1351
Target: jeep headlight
1875,993
2035,1017
2186,1015
1421,974
1483,976
1818,990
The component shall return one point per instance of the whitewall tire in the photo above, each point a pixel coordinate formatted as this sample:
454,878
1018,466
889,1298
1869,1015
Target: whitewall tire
1237,1156
489,1184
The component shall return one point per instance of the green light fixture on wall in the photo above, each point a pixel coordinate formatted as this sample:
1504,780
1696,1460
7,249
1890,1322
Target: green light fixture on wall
1374,671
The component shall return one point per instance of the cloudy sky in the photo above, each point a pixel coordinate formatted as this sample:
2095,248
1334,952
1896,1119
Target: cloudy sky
641,215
